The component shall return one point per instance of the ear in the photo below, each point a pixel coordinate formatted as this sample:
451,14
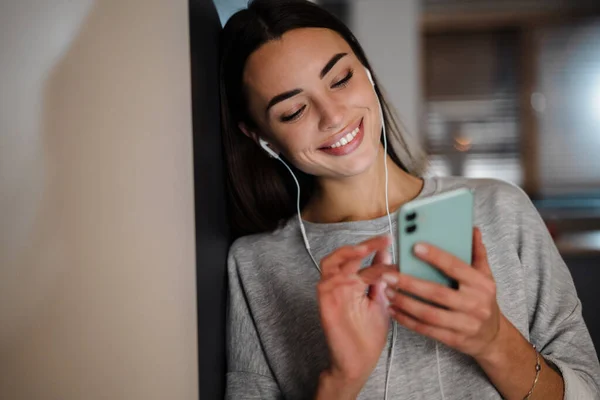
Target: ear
248,132
256,137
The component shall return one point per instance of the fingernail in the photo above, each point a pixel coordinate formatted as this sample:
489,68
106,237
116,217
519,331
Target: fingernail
386,301
390,293
360,248
420,249
389,279
388,258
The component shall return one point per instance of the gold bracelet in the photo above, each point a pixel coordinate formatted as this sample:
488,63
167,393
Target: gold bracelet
538,368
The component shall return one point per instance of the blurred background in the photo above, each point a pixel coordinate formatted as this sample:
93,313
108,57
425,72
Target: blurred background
500,89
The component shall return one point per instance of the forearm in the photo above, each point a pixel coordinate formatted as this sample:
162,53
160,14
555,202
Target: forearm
510,365
335,388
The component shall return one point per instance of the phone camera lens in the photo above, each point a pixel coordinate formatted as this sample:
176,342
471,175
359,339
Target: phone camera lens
411,229
411,217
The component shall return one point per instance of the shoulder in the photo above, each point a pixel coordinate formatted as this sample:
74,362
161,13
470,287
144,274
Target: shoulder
483,186
254,248
489,193
500,207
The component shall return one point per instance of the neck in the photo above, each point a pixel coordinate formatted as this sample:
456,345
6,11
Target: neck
362,197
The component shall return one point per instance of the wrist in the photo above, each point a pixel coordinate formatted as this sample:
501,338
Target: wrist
495,352
333,385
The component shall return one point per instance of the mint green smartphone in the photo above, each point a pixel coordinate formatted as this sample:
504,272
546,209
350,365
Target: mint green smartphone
445,221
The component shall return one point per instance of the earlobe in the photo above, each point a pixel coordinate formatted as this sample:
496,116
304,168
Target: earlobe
258,140
246,131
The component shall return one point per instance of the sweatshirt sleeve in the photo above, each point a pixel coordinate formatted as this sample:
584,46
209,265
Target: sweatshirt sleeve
248,374
556,324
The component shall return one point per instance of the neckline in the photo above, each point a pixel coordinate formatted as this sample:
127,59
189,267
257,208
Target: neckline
376,225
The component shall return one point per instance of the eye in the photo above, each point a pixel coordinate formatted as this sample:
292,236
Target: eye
291,117
344,81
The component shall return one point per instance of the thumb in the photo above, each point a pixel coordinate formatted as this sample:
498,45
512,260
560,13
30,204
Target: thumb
382,257
372,275
377,295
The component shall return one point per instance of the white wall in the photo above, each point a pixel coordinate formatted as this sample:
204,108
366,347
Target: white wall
389,33
97,266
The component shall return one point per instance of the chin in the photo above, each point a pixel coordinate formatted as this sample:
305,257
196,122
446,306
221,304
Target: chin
357,163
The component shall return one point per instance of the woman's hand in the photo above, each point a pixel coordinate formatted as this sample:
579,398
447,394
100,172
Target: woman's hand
470,320
355,324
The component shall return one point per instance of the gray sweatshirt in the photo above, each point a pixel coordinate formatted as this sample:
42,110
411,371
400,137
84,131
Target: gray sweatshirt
276,347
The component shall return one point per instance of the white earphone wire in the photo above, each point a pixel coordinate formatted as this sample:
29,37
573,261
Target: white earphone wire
302,230
437,357
387,207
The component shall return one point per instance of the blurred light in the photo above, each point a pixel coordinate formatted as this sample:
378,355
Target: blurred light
463,143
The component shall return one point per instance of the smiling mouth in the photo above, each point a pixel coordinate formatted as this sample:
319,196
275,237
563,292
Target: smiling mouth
345,139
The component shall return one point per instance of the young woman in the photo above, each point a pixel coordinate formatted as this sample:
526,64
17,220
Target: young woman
315,304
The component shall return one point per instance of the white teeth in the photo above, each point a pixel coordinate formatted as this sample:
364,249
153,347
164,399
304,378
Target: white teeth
346,139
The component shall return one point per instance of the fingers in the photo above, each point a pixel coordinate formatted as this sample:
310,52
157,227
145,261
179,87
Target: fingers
374,273
382,257
377,294
351,267
434,293
429,314
339,286
445,336
334,262
465,319
372,276
445,262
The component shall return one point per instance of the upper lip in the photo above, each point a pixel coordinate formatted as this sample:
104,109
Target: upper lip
337,137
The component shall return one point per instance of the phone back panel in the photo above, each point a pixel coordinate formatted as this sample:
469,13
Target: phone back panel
445,221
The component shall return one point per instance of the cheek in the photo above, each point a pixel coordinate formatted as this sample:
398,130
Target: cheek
293,139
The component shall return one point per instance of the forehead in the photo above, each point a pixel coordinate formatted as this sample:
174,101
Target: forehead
284,63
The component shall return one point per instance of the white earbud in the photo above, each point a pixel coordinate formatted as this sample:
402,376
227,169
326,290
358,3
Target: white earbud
370,77
265,145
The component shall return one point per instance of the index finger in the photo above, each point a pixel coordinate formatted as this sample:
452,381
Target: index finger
374,274
446,262
332,263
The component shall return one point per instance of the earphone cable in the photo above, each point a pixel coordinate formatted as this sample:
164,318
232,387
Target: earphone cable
302,230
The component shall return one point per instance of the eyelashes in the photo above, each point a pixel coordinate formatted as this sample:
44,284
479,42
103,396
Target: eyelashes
339,84
344,81
288,118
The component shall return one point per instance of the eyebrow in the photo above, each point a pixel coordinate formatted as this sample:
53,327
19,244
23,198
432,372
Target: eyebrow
291,93
331,63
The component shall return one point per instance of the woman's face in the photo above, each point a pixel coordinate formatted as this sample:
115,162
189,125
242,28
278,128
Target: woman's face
310,97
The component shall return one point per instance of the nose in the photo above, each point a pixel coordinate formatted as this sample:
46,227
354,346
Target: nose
332,114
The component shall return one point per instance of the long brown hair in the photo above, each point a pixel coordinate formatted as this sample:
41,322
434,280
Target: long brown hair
261,192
